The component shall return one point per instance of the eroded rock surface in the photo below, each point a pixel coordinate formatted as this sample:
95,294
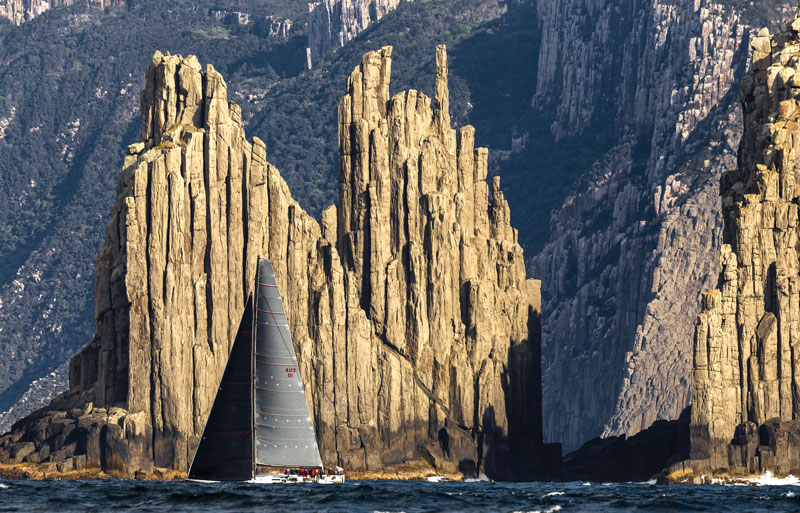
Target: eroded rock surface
746,380
416,328
632,249
332,23
20,11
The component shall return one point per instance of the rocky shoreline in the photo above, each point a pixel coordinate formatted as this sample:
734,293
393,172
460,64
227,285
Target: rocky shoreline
51,470
412,471
727,478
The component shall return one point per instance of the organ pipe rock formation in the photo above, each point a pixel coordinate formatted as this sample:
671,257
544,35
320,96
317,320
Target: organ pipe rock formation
416,329
746,377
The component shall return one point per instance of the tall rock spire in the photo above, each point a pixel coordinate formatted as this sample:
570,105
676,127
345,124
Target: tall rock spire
746,377
417,331
442,91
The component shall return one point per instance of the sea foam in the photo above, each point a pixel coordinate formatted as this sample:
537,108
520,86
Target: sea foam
768,479
481,479
765,479
548,510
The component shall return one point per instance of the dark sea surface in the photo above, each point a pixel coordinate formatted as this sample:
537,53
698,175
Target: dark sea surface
389,496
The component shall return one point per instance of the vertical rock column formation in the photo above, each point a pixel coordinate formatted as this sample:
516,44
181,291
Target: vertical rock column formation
746,379
432,266
417,332
332,23
20,11
636,240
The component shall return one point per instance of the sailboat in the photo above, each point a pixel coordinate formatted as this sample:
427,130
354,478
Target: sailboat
260,428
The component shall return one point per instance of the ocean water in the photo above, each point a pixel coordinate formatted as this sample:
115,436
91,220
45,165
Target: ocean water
391,496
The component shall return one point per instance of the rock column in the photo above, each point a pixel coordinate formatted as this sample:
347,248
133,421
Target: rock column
417,331
746,379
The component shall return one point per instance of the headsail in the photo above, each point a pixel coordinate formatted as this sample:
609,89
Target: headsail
225,452
285,436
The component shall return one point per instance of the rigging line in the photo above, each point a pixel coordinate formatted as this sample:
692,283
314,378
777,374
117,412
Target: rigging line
273,364
273,356
267,303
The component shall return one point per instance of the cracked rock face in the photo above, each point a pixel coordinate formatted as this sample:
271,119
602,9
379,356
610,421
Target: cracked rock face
746,379
416,328
20,11
633,247
332,23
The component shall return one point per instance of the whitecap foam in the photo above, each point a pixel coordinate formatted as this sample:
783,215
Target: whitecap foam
3,486
587,484
765,479
552,494
768,479
437,479
789,494
552,509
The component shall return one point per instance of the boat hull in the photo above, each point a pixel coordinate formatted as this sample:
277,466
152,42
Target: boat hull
291,479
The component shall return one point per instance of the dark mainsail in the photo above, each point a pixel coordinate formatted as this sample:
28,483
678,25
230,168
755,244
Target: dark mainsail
285,436
225,452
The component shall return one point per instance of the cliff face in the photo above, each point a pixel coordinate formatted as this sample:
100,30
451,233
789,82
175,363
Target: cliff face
332,23
417,331
746,375
20,11
637,242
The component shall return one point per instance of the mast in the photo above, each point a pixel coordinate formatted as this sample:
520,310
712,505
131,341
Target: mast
253,375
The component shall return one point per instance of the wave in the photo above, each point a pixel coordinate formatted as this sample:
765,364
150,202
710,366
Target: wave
768,479
765,479
548,510
437,479
482,479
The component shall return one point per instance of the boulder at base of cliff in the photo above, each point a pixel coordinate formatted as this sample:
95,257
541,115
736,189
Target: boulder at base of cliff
637,458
